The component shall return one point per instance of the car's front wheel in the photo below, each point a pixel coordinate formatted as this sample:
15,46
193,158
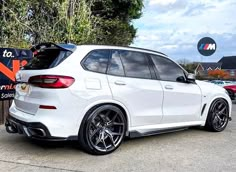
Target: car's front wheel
218,115
103,130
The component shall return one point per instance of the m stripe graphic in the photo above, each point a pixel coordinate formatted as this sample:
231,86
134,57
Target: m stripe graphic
207,47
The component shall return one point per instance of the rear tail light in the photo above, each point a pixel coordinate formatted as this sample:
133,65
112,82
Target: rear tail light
51,81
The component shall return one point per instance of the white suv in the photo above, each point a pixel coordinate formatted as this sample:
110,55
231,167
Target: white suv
99,94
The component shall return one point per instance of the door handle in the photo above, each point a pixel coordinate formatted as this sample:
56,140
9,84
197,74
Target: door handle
120,83
169,87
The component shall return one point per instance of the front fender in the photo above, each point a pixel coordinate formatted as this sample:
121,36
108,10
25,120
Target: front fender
209,101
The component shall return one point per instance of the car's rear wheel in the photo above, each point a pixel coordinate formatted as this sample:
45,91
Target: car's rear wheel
218,115
103,130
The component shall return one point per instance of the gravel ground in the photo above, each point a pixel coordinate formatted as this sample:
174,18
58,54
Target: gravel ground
188,150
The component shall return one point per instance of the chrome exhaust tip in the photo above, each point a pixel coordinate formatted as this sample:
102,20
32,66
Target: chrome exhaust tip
11,129
37,132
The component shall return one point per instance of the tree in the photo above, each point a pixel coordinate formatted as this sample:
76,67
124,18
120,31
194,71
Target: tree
115,18
218,74
46,20
125,10
187,65
114,32
13,17
78,21
183,61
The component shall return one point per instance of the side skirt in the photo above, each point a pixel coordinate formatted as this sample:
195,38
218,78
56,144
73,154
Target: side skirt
135,134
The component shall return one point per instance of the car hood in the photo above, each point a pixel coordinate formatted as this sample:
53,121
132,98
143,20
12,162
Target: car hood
207,87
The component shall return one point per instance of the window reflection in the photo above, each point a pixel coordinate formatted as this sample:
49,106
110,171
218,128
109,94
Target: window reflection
168,70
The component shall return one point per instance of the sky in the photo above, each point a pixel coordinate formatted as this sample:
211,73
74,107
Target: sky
174,27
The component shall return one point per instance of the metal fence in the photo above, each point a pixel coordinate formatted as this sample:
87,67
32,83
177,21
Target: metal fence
4,109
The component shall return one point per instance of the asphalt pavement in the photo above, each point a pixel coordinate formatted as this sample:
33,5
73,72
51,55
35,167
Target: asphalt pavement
183,151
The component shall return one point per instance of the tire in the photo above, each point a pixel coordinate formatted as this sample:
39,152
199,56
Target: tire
102,130
218,116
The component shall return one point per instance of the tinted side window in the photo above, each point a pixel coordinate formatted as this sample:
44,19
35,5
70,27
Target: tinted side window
168,70
116,67
97,61
135,64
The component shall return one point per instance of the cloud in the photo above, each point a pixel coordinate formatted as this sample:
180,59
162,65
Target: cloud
161,2
175,27
196,9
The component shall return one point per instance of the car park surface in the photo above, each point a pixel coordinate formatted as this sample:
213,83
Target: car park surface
188,150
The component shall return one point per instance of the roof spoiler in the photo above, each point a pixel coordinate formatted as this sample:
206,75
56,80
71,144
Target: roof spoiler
68,47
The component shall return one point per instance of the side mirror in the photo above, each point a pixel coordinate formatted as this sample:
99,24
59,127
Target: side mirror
191,77
181,79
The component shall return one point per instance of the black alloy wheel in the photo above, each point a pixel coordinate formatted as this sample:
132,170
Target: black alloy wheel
218,115
104,130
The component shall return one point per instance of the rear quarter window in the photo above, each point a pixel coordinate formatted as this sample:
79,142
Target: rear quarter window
96,61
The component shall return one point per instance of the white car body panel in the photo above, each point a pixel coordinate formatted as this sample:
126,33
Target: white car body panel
143,98
182,102
147,103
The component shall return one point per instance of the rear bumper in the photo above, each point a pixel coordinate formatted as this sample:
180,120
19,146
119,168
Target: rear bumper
34,130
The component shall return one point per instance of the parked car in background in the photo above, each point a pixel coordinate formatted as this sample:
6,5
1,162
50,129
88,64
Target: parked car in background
231,89
221,83
99,94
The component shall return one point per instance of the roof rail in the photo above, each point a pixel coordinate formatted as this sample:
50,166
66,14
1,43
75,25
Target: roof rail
127,47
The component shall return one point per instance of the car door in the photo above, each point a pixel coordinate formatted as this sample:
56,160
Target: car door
132,82
182,100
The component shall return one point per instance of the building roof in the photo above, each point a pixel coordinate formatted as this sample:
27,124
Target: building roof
212,65
228,62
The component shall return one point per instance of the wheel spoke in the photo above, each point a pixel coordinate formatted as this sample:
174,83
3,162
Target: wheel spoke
221,104
215,120
104,144
104,116
112,122
117,123
218,117
215,110
95,125
111,138
218,121
222,110
94,132
114,118
116,134
98,141
108,113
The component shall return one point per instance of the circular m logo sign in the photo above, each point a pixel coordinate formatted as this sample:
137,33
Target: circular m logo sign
206,46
